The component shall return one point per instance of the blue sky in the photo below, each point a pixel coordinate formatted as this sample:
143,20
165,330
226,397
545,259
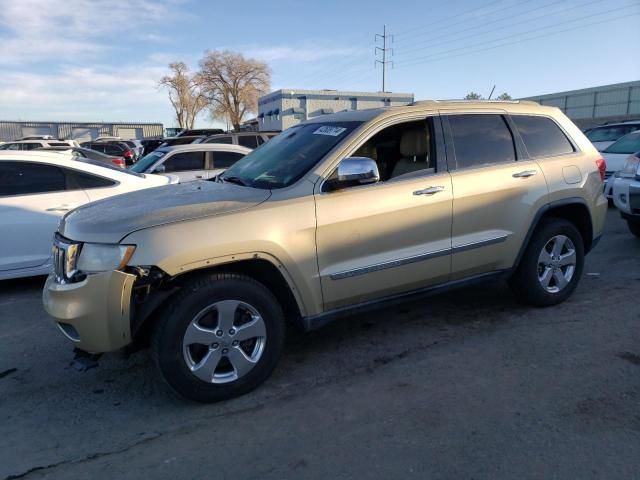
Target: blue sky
101,60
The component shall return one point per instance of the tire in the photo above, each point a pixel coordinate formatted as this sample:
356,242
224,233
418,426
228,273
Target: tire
538,279
199,331
634,226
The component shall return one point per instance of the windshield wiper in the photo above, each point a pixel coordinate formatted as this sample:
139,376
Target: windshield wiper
236,180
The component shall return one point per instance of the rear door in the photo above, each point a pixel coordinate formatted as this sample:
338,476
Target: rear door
33,198
496,191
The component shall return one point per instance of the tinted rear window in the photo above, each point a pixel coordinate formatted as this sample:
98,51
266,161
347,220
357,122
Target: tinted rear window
25,178
481,140
541,136
248,141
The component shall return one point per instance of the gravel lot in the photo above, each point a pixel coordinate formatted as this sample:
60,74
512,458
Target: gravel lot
465,385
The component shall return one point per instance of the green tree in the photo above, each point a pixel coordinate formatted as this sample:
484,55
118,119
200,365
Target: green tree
473,96
504,96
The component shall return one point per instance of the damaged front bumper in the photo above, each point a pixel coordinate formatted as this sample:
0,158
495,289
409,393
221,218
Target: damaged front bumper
93,313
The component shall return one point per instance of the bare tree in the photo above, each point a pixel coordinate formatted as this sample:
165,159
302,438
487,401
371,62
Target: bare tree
185,94
232,84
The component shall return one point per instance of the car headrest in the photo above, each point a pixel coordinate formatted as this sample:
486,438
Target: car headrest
414,143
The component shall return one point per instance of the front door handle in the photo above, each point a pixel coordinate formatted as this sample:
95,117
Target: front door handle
525,174
429,190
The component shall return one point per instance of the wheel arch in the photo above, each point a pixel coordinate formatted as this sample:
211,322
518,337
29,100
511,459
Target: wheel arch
574,210
260,267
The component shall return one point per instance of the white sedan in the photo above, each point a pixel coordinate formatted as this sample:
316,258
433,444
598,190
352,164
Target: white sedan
616,154
37,189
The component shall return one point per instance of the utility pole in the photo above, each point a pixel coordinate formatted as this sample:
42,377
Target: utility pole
384,51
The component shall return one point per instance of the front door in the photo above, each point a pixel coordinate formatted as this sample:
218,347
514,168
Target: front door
33,199
392,236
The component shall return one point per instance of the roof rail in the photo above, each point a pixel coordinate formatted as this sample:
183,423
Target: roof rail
436,102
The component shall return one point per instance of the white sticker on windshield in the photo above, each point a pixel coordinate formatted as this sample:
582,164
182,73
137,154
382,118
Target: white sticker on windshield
331,131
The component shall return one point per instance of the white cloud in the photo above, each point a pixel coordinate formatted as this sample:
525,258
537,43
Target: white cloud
310,53
73,30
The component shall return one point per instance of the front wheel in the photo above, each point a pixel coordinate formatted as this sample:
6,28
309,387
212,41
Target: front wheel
221,337
634,226
551,266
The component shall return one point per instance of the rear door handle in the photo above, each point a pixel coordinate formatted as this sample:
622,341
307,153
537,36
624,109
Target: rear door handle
525,174
429,190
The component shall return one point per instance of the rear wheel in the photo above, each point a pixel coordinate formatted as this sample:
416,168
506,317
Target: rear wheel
220,338
634,226
551,266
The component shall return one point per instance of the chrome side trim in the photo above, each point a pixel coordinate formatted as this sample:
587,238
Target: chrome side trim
417,258
389,264
481,243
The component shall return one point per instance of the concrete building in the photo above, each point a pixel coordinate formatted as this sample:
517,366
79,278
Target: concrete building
80,131
283,108
589,107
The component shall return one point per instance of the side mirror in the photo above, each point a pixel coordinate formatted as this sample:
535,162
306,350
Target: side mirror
159,169
355,171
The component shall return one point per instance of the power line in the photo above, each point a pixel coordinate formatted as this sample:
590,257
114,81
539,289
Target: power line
406,63
384,51
528,20
451,17
520,41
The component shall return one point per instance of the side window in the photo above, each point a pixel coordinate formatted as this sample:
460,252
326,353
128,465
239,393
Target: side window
13,146
259,140
26,178
541,136
85,181
30,146
111,149
185,161
228,140
225,159
248,141
401,150
481,139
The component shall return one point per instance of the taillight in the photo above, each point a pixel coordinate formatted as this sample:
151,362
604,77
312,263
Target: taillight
602,168
119,162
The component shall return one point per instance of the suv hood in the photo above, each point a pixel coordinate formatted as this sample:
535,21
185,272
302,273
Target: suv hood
111,219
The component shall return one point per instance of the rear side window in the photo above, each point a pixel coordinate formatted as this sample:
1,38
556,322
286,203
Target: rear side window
225,159
185,161
59,144
541,136
481,140
31,146
227,139
113,149
248,141
86,181
27,178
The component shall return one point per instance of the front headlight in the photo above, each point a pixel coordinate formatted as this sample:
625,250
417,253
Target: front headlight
631,167
99,257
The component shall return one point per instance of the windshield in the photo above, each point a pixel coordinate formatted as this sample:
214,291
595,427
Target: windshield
145,163
98,163
627,144
285,159
610,134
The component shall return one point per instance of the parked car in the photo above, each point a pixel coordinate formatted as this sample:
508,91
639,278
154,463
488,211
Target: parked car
199,132
133,144
246,139
79,152
616,154
338,214
150,144
22,145
171,141
37,189
191,162
605,135
113,148
626,192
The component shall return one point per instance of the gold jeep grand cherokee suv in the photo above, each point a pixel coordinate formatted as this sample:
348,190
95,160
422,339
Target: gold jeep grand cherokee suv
342,212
